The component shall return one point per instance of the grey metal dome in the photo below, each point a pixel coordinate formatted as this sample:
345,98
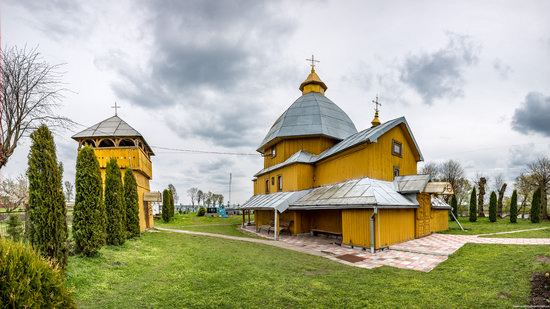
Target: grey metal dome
311,114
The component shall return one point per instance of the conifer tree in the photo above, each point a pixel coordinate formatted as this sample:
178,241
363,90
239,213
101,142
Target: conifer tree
131,203
166,205
535,207
114,205
89,210
47,209
514,207
473,206
172,204
454,206
493,207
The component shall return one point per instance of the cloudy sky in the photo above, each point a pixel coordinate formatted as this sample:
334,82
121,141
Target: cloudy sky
471,77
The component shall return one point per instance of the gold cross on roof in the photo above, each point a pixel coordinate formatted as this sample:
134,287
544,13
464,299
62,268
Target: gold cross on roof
313,61
377,104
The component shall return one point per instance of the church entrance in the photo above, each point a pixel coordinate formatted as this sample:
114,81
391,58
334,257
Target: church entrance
423,215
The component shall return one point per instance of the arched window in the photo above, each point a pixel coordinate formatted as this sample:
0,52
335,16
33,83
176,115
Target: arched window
106,143
126,143
88,142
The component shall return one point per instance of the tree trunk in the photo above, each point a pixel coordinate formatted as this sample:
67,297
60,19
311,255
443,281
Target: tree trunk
500,198
481,196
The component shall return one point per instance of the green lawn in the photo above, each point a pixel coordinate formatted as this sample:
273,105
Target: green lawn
484,226
216,225
169,270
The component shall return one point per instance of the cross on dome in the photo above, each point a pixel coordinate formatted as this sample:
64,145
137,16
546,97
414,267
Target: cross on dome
313,61
116,107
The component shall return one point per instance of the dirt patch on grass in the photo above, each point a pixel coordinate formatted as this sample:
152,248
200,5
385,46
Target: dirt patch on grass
543,259
351,258
540,289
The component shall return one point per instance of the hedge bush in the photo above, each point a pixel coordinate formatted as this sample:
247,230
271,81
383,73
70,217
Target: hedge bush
454,206
15,228
166,205
114,205
514,207
47,211
493,207
89,210
535,207
28,281
131,203
473,206
201,212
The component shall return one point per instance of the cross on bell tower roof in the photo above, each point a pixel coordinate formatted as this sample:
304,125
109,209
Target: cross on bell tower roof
375,122
116,107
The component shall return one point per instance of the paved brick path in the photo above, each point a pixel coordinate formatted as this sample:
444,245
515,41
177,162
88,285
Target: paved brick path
422,254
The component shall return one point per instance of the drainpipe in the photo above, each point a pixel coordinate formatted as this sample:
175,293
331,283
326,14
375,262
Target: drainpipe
275,225
374,212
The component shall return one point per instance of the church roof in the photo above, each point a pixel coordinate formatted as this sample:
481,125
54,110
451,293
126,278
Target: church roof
369,135
300,156
311,114
111,127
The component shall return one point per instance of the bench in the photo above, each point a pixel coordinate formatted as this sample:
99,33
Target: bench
283,226
314,232
266,227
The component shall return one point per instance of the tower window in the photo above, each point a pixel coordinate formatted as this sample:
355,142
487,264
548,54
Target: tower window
280,183
267,186
273,152
106,143
396,148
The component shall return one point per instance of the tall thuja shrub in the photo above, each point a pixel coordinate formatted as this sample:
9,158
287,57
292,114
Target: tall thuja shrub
514,207
89,211
535,207
493,207
47,210
172,204
131,203
114,205
454,207
473,206
166,205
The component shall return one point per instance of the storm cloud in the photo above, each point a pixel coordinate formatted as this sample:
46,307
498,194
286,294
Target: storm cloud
440,74
533,115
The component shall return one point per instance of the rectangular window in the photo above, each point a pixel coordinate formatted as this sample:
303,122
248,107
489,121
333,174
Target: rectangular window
395,171
279,183
273,152
272,181
396,148
267,186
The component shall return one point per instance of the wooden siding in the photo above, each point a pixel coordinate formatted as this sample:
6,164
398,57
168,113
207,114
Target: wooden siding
286,148
138,161
439,220
295,177
373,160
423,215
263,217
394,226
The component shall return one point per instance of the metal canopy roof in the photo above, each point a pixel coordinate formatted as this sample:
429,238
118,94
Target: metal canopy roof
311,114
278,200
300,156
412,183
111,127
438,203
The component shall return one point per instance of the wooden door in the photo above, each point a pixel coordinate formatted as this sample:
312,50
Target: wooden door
423,215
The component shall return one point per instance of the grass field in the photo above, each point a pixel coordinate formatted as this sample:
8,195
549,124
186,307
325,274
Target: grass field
216,225
484,226
168,270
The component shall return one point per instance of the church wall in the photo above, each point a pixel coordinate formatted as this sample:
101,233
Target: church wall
393,226
439,220
295,177
373,160
286,148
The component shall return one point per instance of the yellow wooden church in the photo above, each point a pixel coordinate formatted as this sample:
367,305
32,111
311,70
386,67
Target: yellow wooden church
114,138
321,175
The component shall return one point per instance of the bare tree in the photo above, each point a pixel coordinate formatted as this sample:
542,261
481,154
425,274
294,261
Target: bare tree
200,197
220,199
524,187
498,182
452,171
430,168
208,198
68,190
192,193
174,193
539,170
31,91
481,184
14,193
500,198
